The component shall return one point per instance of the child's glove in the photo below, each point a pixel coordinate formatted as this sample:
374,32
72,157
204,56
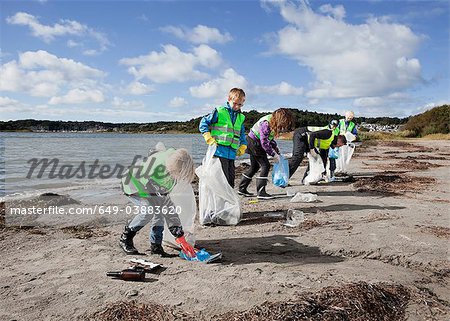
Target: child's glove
209,139
241,150
187,249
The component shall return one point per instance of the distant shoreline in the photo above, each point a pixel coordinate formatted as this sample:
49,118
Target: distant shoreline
96,132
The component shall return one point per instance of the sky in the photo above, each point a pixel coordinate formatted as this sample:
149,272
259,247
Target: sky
147,61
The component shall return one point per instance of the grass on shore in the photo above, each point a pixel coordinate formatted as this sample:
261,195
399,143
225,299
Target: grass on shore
405,134
437,137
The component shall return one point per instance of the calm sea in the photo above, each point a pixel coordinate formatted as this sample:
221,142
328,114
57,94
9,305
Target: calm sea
82,150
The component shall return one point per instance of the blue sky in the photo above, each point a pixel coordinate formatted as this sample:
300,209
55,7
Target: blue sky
145,61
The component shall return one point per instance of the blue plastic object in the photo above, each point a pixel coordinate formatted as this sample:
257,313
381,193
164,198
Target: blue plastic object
333,153
280,174
202,256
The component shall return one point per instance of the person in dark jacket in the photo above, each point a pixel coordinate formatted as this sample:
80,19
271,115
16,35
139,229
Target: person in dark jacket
315,142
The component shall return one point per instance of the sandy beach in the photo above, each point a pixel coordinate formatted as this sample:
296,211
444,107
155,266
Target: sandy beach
385,230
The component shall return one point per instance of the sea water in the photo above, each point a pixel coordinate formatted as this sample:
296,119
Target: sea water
20,154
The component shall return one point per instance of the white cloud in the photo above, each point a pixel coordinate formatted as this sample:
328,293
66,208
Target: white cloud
281,89
173,65
431,105
127,105
177,102
138,88
78,96
397,104
72,43
9,105
337,12
63,28
219,87
143,17
382,101
6,101
348,60
39,73
199,35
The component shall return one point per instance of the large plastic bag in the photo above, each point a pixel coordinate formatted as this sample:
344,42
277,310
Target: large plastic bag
280,173
316,169
183,198
345,155
218,202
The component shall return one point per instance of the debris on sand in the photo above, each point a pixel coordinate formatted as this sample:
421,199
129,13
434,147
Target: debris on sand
397,144
133,311
392,184
413,164
373,217
438,231
422,157
406,164
83,232
357,301
309,224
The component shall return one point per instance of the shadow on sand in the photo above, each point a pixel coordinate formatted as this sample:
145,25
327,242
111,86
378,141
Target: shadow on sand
278,249
350,207
254,218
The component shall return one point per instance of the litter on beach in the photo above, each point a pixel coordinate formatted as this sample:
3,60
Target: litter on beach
304,198
294,218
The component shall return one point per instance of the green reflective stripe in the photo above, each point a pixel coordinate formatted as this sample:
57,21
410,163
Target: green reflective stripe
139,187
226,129
224,138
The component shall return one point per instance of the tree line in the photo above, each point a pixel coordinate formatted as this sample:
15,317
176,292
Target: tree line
303,118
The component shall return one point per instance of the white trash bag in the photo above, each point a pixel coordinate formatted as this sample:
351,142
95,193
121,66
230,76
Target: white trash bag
183,198
218,202
345,154
316,169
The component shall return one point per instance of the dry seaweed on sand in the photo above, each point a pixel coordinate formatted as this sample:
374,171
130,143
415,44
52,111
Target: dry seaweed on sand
133,311
423,157
438,231
392,184
83,232
414,164
357,302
